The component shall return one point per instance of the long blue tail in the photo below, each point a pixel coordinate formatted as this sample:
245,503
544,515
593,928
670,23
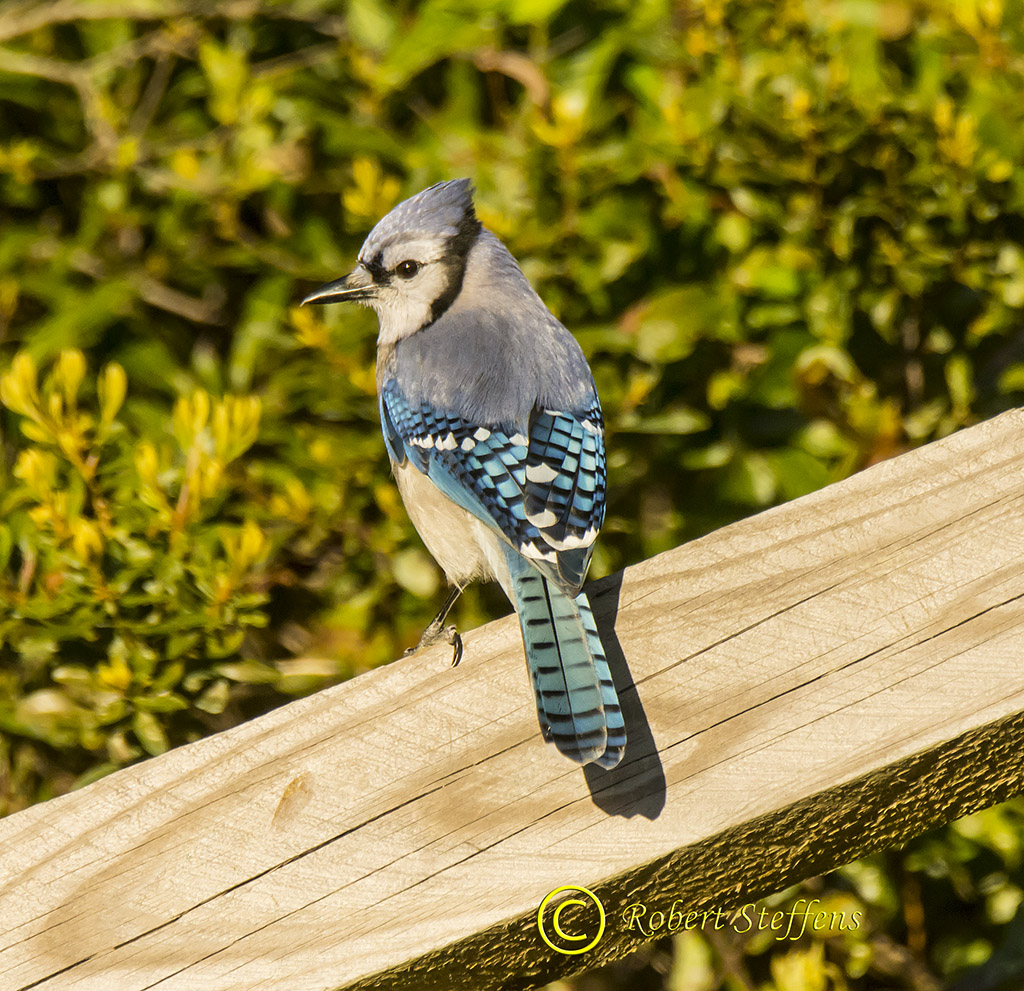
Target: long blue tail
576,701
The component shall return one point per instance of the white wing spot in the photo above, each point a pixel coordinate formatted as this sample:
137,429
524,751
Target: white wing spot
427,441
448,443
570,542
542,519
481,433
590,426
541,474
530,549
468,444
518,440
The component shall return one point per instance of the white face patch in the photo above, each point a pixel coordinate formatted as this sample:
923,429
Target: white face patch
423,251
404,305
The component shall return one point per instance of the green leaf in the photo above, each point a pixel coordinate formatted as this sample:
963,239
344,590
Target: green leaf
149,733
164,702
249,672
215,699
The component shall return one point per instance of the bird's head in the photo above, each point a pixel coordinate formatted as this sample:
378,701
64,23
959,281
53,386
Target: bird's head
411,266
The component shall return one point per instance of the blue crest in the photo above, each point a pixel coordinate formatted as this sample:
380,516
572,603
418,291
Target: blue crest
439,211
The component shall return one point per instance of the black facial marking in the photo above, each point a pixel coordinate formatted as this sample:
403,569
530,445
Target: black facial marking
455,264
375,266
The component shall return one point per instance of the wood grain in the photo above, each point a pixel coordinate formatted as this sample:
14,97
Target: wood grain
821,680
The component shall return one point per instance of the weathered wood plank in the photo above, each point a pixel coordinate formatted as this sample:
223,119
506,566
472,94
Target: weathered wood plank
821,680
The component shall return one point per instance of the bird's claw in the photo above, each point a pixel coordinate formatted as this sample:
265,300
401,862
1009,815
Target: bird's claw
452,636
434,634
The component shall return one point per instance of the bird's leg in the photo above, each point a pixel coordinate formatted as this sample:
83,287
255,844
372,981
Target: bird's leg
438,631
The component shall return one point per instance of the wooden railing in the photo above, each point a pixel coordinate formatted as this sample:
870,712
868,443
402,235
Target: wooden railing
822,680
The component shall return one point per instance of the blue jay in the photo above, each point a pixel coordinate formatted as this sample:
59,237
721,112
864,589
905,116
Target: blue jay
495,434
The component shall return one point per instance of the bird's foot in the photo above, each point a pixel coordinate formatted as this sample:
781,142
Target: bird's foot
451,635
435,633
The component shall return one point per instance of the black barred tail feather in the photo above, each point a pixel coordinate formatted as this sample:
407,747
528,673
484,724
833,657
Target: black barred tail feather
576,701
615,725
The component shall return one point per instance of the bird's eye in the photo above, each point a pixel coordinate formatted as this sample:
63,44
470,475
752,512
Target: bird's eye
407,269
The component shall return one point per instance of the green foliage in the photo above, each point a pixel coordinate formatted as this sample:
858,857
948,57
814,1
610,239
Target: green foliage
126,576
138,556
787,234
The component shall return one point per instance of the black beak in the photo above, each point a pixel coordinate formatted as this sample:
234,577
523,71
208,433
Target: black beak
354,287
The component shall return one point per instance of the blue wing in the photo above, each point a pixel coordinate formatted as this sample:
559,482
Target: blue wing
543,491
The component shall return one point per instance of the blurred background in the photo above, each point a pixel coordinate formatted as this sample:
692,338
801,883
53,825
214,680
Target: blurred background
787,234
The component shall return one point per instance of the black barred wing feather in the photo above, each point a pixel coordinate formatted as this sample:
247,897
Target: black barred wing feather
565,480
543,491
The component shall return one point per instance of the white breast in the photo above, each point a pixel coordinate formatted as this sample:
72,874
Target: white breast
466,549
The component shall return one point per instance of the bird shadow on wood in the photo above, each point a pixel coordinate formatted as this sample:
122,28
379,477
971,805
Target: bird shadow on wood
637,785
